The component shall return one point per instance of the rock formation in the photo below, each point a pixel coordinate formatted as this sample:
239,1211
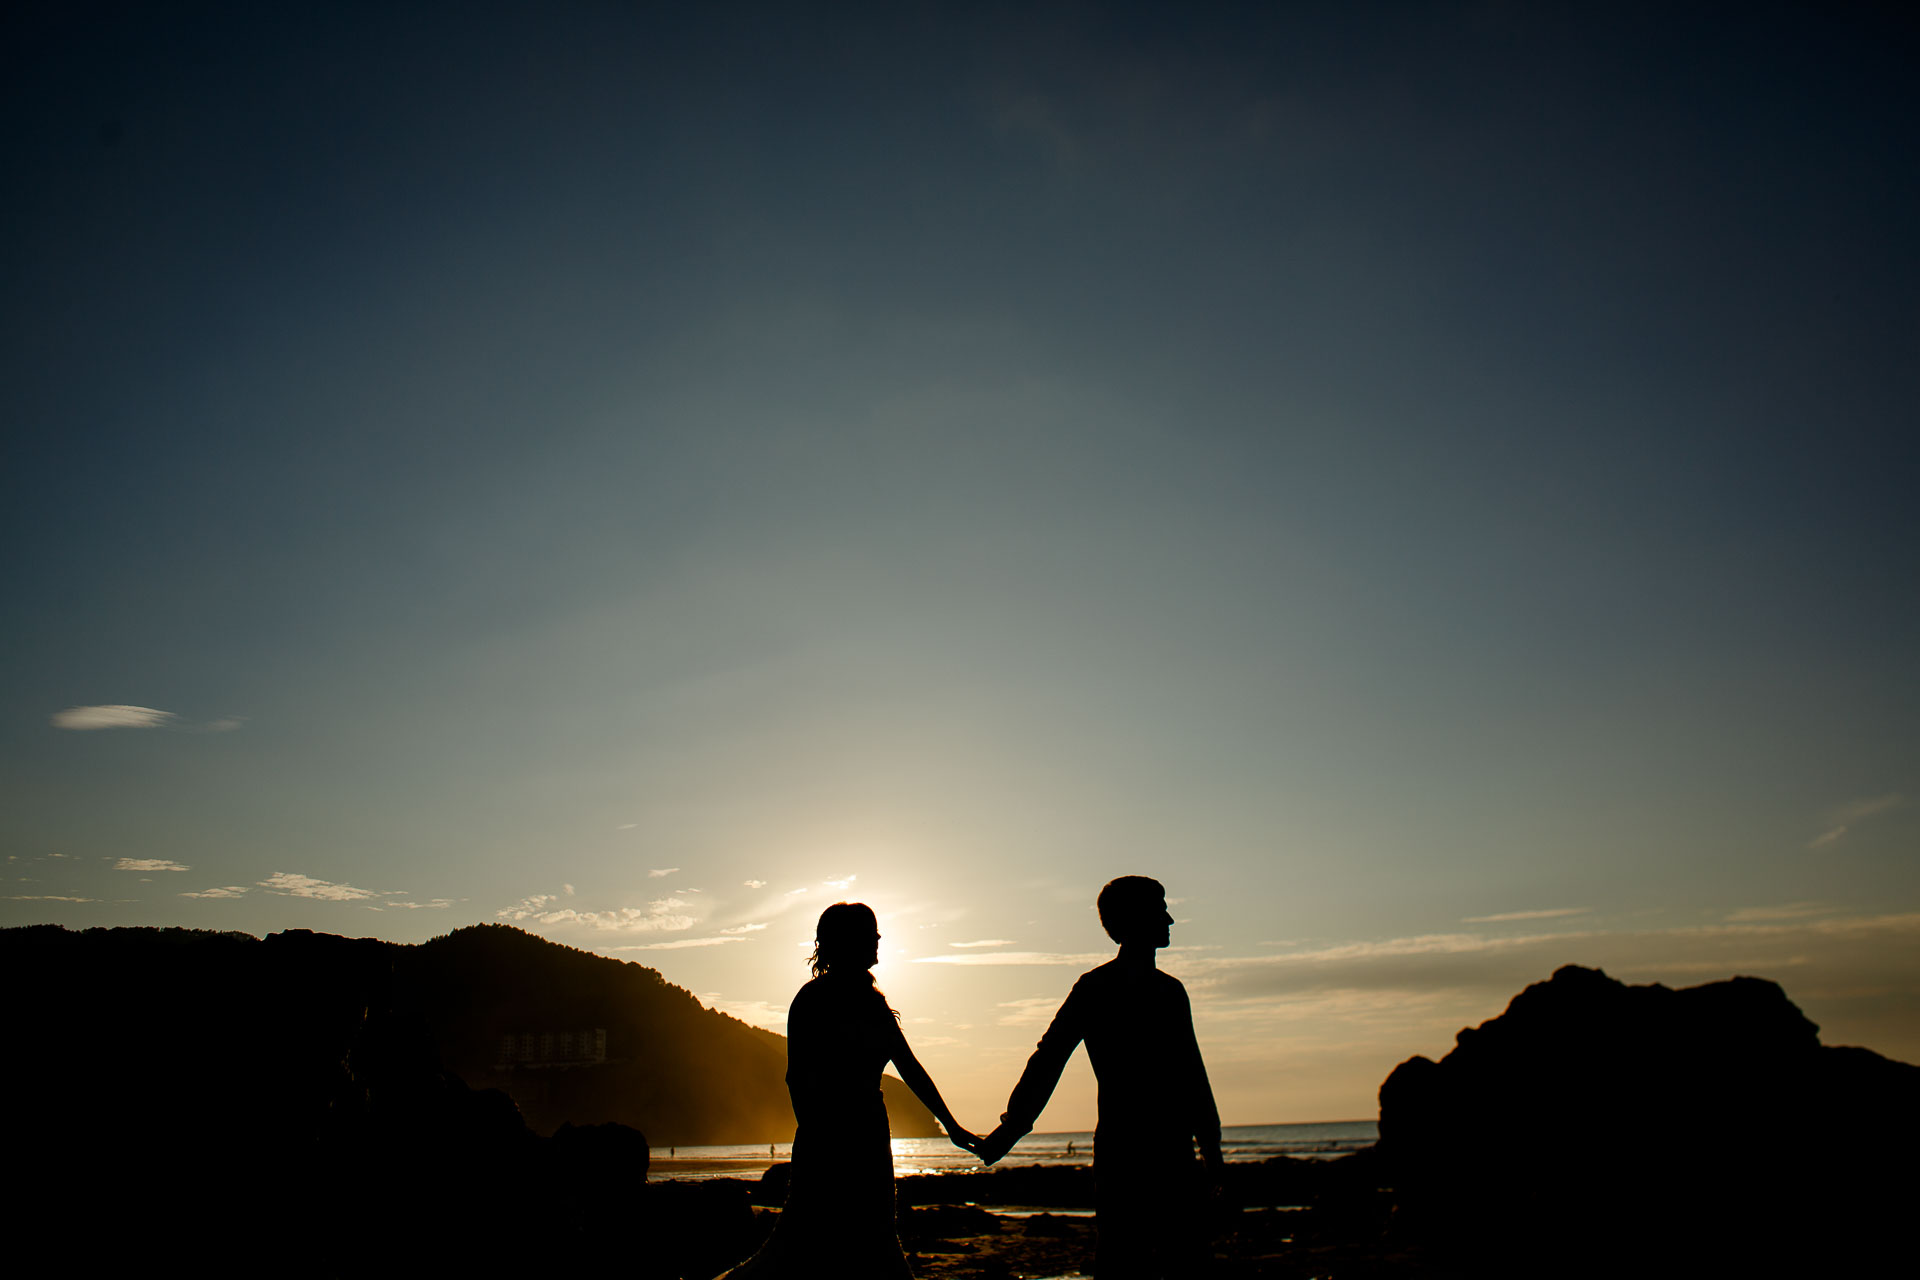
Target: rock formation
1595,1126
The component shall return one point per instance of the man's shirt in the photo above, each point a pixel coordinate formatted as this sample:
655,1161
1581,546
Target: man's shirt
1138,1028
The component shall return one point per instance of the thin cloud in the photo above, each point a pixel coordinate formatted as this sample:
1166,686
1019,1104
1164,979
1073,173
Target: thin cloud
224,891
226,724
676,944
754,884
1847,816
435,905
1548,913
756,1013
984,942
1019,958
45,897
745,928
1790,911
659,872
113,715
840,884
294,885
1861,810
626,826
149,864
662,915
1493,968
1030,1012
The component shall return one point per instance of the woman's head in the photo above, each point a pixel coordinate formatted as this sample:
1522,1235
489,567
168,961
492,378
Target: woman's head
847,939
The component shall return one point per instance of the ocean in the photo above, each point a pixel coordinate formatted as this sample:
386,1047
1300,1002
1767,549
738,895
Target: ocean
1318,1141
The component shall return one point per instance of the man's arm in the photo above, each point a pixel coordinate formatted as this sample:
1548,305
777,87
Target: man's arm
1205,1115
1030,1096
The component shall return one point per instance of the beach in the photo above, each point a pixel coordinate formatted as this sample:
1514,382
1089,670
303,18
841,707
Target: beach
913,1157
1297,1200
1285,1216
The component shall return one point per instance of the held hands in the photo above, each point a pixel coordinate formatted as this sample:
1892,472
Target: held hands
997,1144
989,1148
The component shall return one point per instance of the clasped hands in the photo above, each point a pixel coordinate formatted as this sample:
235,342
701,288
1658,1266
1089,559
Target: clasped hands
989,1148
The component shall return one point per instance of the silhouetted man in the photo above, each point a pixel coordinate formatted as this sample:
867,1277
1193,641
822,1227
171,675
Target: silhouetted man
1155,1102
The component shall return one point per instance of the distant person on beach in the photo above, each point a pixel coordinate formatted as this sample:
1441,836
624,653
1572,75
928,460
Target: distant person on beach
1155,1102
839,1216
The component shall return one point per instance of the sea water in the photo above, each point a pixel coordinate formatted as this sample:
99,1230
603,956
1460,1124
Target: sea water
1318,1141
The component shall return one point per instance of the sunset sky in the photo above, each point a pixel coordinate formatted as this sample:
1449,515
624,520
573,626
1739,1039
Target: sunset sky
1436,485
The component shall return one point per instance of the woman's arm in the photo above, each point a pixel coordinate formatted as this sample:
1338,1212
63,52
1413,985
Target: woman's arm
916,1078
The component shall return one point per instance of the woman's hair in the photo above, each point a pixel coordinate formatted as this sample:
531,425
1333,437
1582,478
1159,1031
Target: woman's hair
844,939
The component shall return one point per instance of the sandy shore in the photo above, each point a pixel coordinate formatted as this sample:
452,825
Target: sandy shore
1036,1224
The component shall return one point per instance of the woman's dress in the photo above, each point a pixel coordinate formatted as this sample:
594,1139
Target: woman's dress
839,1217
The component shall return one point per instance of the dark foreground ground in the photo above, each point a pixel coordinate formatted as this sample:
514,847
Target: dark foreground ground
965,1243
1283,1218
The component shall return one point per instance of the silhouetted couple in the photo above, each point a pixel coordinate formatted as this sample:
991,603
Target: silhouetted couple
1155,1104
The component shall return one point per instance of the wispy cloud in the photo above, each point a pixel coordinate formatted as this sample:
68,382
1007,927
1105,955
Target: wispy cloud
757,1013
626,826
1790,911
298,886
660,872
45,897
435,905
984,942
1020,958
223,891
676,944
1030,1012
1547,913
226,724
111,716
1851,814
840,884
1861,810
754,884
745,928
149,864
1494,967
662,915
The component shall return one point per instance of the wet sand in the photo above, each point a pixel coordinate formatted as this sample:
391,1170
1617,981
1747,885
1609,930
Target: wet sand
1037,1224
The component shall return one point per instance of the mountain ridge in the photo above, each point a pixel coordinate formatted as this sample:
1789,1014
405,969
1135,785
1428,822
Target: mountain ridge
294,1007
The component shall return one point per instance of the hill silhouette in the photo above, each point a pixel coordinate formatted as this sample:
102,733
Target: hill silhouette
683,1073
299,1102
218,1014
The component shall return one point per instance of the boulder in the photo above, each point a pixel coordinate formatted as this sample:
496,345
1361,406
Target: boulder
1603,1125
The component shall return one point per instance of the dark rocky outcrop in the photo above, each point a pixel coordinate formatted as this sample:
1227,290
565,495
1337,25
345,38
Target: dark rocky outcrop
306,1103
1596,1126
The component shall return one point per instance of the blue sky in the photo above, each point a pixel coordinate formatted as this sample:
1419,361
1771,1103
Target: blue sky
1433,484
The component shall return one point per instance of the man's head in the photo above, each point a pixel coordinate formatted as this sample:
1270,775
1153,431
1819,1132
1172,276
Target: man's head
1133,911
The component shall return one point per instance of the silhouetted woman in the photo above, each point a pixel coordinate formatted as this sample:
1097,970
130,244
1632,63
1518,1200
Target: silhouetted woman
839,1218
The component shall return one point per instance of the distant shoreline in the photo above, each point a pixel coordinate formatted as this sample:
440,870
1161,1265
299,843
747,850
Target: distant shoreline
1072,1148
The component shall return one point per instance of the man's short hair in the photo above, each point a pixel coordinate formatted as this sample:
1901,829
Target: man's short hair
1126,900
